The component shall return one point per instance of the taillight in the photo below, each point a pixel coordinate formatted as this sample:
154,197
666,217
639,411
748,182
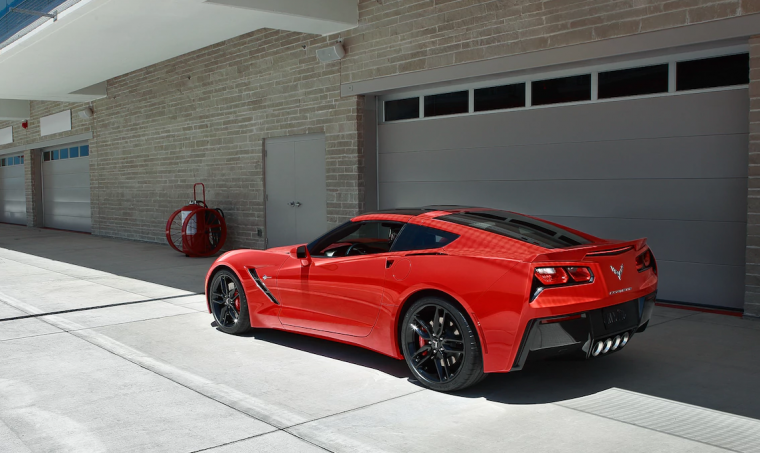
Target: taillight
551,275
559,276
580,274
646,261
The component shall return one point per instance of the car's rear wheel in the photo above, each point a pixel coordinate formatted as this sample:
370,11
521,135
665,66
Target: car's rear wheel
228,303
440,345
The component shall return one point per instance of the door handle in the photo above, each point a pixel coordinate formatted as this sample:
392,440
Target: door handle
292,203
298,204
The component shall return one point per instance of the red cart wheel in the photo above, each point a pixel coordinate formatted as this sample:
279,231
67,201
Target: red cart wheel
204,232
174,231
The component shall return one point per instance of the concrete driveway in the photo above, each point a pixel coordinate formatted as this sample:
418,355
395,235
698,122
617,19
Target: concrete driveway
106,345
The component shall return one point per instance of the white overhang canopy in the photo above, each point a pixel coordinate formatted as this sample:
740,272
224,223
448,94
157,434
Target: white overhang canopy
70,59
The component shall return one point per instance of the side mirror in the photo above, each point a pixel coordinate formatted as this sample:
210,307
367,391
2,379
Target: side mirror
302,253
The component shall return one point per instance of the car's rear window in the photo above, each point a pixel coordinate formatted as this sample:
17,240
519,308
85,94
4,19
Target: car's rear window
518,227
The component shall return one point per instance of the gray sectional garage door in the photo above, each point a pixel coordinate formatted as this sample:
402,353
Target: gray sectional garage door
670,168
66,188
12,190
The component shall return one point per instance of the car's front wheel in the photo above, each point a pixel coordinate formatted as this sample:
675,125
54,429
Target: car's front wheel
228,303
440,345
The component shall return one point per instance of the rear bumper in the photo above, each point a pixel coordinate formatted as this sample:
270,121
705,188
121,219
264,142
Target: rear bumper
575,334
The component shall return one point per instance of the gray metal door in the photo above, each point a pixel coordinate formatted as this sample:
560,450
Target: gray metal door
672,169
66,188
12,190
296,188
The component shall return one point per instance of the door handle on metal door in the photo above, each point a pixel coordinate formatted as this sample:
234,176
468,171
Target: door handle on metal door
292,203
298,204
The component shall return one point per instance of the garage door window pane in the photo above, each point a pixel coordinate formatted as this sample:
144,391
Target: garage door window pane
55,155
2,162
565,89
401,109
447,103
498,98
16,160
633,82
74,152
84,151
65,153
712,72
21,158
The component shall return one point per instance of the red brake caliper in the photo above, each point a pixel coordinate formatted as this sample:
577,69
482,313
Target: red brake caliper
237,303
422,343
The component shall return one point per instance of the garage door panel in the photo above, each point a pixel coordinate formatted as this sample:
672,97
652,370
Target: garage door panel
720,156
679,199
73,194
689,241
56,180
68,223
701,284
12,195
712,113
13,216
66,194
67,209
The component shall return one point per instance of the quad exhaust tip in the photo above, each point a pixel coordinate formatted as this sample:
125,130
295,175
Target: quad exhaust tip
616,342
610,344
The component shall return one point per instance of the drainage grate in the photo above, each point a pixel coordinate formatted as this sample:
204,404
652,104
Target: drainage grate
695,423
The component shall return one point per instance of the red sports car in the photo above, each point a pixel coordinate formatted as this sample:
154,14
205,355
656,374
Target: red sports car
456,292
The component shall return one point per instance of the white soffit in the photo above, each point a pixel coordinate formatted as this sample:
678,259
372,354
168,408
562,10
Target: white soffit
95,41
343,13
6,136
53,124
14,110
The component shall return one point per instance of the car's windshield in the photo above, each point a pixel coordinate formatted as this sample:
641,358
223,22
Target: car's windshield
518,227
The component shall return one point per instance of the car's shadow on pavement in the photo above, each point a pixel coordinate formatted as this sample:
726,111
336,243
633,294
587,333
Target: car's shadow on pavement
338,351
678,373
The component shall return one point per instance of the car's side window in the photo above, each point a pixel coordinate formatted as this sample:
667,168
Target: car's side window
358,238
418,237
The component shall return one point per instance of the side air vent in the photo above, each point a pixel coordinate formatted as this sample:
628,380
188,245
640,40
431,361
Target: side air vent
262,286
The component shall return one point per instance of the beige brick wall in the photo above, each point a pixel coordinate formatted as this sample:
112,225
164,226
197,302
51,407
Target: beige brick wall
400,36
203,117
752,282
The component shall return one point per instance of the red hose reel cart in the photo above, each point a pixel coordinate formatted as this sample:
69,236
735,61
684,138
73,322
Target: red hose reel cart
197,230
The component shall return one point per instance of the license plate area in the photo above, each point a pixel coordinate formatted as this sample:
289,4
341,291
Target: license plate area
616,318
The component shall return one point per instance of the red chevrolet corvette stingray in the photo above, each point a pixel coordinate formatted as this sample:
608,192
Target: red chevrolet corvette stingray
456,292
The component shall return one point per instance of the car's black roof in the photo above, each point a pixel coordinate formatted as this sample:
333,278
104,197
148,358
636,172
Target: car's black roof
424,209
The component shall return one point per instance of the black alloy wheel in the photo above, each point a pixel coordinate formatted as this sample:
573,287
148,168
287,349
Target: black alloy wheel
228,303
440,345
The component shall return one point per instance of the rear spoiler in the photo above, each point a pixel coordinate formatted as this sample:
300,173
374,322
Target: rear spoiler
580,253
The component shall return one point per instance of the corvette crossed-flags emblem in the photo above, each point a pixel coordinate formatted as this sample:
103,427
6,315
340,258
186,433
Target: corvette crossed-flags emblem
619,273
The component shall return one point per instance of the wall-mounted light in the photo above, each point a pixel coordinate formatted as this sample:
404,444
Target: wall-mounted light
332,53
86,113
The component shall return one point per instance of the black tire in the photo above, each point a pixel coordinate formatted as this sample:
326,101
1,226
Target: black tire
457,360
230,307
